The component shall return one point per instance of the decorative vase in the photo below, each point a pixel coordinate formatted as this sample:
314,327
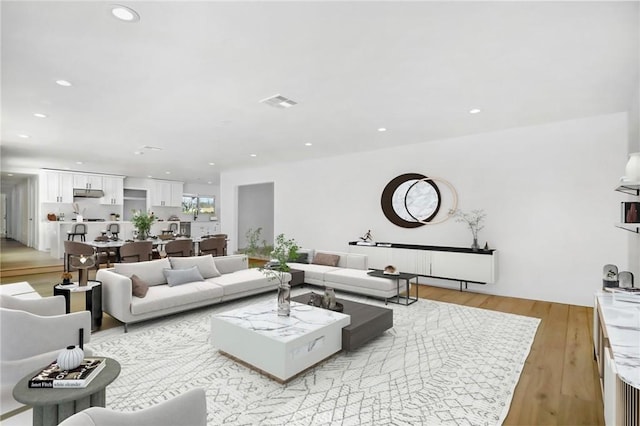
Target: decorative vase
329,298
284,299
70,358
79,218
475,246
632,170
143,235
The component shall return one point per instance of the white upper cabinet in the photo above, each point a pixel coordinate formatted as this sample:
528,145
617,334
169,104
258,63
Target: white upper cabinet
113,188
166,193
87,181
56,187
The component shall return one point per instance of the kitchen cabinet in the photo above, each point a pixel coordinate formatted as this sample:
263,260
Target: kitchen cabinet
56,187
166,193
87,181
113,188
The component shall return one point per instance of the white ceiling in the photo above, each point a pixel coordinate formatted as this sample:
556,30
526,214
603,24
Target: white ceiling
188,78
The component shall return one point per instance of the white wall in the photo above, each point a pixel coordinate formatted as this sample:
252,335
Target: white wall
547,190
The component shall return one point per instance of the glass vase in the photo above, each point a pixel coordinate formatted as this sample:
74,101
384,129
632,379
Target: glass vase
284,300
475,246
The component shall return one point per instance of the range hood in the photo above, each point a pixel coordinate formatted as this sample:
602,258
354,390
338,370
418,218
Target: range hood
88,193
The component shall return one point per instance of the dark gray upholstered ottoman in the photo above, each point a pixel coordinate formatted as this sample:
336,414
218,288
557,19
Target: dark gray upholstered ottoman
367,321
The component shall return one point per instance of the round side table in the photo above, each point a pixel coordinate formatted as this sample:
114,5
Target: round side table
93,299
51,406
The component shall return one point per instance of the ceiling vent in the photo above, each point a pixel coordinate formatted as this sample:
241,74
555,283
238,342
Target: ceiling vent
151,148
278,101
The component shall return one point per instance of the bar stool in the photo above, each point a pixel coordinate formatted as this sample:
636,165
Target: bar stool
173,229
114,229
79,229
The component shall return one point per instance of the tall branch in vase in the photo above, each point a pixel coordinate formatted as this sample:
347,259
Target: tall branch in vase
475,221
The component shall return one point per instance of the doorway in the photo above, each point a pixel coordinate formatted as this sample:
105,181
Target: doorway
255,210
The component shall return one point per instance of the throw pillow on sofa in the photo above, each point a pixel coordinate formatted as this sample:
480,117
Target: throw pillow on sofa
182,276
139,287
150,271
326,259
205,264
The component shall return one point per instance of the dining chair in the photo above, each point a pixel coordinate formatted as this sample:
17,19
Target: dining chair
214,246
137,251
177,248
78,229
225,237
75,248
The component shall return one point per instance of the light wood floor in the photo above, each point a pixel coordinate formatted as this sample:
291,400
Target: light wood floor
559,384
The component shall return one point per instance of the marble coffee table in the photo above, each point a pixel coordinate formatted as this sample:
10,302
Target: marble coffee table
279,347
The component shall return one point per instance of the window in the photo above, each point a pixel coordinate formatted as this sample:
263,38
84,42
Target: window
197,204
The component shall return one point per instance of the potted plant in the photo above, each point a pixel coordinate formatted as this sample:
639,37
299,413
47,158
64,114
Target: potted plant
66,278
474,221
283,250
142,222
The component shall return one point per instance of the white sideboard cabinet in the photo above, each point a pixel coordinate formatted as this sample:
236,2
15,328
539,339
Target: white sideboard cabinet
450,263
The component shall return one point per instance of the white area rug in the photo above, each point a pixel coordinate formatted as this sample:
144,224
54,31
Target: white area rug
440,364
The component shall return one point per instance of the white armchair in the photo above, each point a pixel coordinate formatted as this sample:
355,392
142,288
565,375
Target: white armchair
32,333
188,409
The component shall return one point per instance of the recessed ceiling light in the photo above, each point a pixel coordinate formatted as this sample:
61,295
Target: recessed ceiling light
308,144
124,13
382,129
11,174
474,111
67,168
253,155
167,173
40,115
138,152
212,164
149,176
78,162
209,182
23,136
151,148
64,83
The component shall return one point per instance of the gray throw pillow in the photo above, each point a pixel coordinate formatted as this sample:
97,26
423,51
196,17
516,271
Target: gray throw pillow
182,276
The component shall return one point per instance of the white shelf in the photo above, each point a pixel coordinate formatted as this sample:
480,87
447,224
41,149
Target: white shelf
633,227
632,188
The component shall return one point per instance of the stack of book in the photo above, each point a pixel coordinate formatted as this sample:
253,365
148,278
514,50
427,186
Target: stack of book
53,376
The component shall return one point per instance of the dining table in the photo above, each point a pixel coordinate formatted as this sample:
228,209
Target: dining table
110,246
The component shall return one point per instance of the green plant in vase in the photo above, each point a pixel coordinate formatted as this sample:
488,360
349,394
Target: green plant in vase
283,250
142,221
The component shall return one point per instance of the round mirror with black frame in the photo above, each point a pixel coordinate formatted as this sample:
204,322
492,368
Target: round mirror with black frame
410,200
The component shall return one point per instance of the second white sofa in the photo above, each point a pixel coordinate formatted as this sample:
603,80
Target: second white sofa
344,271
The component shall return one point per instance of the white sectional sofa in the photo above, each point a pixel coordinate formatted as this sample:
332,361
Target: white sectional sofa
220,279
348,274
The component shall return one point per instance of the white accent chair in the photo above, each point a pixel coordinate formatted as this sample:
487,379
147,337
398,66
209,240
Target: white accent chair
188,409
32,333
